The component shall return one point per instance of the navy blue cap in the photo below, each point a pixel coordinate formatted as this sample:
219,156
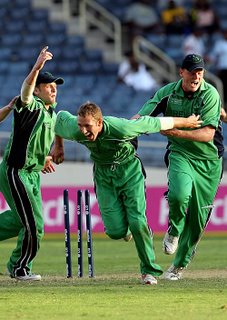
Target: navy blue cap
192,62
47,77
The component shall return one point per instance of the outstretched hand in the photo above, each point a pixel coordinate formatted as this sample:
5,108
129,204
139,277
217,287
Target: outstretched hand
194,122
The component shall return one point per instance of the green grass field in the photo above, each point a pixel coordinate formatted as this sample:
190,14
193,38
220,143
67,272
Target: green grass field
116,292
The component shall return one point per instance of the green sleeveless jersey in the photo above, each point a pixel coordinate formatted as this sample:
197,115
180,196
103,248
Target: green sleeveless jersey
32,136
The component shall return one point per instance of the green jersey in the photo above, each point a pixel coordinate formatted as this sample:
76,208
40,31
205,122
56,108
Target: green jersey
113,145
32,136
172,101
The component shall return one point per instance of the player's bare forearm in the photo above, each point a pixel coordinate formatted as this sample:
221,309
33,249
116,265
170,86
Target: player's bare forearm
191,122
57,151
5,111
204,134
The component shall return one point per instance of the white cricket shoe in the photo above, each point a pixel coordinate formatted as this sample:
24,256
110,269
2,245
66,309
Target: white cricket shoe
148,279
173,273
29,277
170,243
25,277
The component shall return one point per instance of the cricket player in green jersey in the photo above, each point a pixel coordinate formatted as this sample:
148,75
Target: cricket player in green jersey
194,159
118,173
26,154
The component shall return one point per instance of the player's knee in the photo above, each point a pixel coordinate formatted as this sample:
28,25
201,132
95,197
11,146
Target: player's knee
178,198
137,226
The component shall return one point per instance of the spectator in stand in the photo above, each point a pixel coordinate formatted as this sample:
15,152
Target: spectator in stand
174,18
140,19
135,74
203,15
218,59
194,43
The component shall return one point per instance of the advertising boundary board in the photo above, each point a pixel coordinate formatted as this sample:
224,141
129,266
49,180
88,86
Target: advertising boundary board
75,176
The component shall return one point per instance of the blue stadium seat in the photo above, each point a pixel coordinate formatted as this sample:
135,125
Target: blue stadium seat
93,67
22,13
19,68
110,68
11,40
57,27
66,67
27,53
40,15
5,53
94,55
105,85
34,39
37,26
55,39
71,52
4,66
3,12
15,26
85,81
51,67
4,4
22,3
77,41
223,23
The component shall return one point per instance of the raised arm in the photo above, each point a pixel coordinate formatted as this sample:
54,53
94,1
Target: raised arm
28,85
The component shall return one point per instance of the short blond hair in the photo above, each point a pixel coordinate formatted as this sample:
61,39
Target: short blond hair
90,108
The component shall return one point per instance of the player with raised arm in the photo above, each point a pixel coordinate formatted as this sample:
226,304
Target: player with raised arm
26,154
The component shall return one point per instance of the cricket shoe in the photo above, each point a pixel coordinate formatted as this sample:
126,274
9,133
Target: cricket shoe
29,277
148,279
128,237
173,273
170,244
24,276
